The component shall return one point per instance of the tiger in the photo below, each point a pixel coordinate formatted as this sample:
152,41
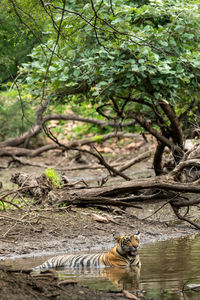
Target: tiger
123,255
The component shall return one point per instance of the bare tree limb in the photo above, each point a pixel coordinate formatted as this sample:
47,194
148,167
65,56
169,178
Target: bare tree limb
183,164
84,200
136,160
183,218
160,182
75,146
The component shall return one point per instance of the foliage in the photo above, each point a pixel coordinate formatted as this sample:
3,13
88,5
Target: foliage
53,177
156,55
122,58
16,115
148,49
15,43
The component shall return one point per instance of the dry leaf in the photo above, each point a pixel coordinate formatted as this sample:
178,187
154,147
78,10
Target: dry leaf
128,295
105,149
193,286
134,145
111,219
99,218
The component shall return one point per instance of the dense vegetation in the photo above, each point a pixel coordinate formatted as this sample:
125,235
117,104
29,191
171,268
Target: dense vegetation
126,61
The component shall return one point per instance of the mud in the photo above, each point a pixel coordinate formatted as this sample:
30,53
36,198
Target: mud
74,230
18,286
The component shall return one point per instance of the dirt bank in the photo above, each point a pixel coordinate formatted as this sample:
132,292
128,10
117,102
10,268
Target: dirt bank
74,229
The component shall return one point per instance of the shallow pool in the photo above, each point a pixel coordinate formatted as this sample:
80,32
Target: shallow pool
167,268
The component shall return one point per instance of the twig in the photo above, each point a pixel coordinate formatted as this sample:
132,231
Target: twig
5,234
16,221
136,160
183,218
75,146
157,210
14,192
11,203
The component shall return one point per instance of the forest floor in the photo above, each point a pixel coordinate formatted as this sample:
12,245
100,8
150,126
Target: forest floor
44,230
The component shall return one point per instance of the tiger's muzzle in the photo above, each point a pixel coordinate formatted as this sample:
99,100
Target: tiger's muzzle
133,251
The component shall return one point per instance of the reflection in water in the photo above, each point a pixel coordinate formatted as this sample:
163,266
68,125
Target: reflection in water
166,268
120,278
126,279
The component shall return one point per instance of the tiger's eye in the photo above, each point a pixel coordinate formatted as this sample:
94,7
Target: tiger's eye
127,238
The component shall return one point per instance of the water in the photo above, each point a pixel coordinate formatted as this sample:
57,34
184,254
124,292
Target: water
167,268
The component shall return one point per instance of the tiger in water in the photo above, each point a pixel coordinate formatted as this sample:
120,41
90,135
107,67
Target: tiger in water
123,255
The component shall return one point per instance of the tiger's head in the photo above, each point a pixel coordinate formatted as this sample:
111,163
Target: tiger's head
129,244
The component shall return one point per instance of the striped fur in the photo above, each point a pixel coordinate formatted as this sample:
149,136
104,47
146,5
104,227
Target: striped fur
123,255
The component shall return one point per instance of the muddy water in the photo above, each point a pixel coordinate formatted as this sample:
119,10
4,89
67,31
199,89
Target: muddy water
166,268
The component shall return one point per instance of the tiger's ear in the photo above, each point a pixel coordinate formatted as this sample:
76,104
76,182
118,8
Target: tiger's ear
118,238
137,235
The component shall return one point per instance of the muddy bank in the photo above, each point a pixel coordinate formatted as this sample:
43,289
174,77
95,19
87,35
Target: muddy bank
21,286
18,286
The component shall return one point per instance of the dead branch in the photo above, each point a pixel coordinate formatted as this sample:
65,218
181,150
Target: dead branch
34,130
183,218
3,200
85,167
136,160
184,203
159,182
15,151
102,124
183,164
40,121
102,161
74,146
25,161
11,203
93,201
139,198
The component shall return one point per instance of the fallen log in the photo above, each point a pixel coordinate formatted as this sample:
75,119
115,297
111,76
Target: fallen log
161,182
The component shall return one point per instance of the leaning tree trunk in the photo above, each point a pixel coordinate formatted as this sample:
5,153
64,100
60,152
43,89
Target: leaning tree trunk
157,160
175,130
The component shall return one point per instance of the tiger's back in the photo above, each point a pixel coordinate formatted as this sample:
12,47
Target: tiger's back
72,261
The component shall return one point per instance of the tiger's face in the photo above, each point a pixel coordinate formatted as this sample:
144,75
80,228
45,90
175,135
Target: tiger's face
129,244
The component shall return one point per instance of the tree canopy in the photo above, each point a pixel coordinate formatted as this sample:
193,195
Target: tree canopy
130,60
15,43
